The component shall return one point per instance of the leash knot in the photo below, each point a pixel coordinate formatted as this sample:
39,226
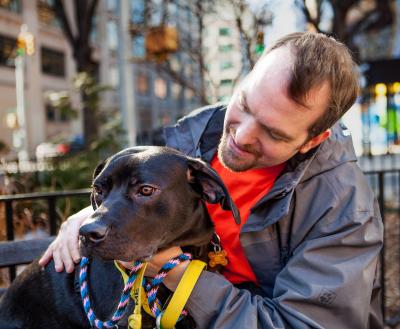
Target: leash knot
123,302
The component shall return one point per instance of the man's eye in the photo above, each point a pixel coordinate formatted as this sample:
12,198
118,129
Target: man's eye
146,190
275,136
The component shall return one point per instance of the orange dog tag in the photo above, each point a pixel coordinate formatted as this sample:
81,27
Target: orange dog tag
217,257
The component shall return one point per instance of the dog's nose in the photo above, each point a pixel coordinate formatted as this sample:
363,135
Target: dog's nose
94,232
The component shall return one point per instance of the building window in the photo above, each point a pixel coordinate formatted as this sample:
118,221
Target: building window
176,90
226,82
55,114
113,79
53,62
112,35
224,31
172,12
14,6
93,31
160,88
156,13
188,70
225,48
50,113
142,83
189,94
225,65
138,46
137,12
7,51
46,13
165,118
111,6
175,64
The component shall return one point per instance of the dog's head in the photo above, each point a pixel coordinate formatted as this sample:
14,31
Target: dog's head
147,199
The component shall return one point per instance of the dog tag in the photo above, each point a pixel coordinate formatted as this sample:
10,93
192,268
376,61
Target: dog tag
217,257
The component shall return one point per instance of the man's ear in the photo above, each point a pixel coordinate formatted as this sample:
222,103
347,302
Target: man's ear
209,185
315,141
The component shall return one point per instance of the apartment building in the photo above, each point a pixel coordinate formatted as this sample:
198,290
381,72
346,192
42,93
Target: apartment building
224,55
158,98
50,68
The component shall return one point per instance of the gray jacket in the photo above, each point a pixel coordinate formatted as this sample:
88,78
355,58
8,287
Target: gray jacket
313,241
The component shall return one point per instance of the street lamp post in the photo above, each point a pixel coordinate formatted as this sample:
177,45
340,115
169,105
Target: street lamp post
126,75
25,46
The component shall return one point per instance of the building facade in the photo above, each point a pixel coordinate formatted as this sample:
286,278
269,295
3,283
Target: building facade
50,68
223,51
157,97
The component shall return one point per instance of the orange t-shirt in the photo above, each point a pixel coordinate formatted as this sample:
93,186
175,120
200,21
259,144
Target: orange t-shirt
245,189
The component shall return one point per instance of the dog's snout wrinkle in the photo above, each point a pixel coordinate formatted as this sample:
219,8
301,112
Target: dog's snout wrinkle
94,232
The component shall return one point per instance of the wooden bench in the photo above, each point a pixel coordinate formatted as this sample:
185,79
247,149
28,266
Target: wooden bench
21,252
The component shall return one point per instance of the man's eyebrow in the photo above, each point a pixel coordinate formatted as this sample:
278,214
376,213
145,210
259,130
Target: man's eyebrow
280,133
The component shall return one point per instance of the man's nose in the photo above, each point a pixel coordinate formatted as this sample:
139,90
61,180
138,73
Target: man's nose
246,132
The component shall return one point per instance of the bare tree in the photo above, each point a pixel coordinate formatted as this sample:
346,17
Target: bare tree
192,43
372,15
77,28
259,20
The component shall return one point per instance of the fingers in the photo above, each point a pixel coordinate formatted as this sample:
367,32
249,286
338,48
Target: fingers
58,263
66,259
46,257
65,248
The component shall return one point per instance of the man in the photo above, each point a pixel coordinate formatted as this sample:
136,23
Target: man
306,254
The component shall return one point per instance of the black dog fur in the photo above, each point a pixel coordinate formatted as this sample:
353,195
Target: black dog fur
146,199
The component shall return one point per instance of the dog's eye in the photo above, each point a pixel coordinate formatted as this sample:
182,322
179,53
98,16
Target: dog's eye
146,190
97,190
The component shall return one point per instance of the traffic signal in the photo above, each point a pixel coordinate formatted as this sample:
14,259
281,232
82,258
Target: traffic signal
30,44
260,42
25,42
161,41
21,44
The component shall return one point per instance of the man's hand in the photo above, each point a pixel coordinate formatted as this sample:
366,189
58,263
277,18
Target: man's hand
158,260
65,248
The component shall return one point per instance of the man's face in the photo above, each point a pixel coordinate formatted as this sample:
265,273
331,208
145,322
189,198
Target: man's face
263,126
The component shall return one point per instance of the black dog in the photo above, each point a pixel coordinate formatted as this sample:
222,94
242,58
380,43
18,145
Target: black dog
146,199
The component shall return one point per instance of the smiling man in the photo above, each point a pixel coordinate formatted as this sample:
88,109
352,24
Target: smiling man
306,253
264,125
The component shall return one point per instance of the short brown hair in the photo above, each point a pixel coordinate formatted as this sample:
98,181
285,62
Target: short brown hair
319,58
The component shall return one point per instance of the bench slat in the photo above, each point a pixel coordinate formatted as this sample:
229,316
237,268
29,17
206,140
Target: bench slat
23,251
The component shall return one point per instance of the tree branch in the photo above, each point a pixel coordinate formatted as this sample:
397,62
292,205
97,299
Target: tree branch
66,27
315,22
91,13
374,19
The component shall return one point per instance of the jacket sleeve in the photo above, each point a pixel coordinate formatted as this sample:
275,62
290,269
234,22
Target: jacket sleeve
327,283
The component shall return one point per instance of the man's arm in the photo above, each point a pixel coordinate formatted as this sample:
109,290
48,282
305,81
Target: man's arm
327,283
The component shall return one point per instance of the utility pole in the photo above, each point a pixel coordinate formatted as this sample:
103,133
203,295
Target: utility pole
126,73
25,46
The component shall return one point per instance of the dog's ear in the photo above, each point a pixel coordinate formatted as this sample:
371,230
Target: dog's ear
96,172
209,185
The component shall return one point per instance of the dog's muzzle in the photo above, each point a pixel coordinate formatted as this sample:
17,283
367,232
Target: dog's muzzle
93,233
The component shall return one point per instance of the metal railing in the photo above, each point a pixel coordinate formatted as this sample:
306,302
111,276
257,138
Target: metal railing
385,184
50,197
